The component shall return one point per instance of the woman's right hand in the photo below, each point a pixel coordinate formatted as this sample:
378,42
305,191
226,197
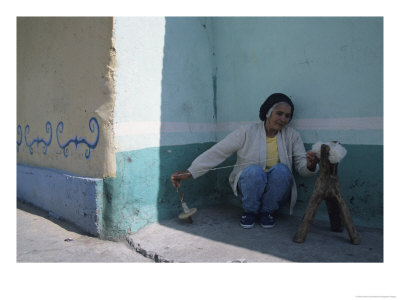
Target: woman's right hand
176,177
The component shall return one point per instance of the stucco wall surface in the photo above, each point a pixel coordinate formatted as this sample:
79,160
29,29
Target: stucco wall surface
185,83
164,89
331,67
181,85
65,94
164,82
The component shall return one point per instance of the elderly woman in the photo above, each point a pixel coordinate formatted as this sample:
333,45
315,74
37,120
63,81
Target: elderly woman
267,152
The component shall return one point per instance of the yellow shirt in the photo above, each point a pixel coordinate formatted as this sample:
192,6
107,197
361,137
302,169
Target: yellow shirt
272,152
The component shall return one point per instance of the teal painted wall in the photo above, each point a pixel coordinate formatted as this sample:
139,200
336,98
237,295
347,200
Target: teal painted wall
208,75
361,180
332,67
164,118
142,193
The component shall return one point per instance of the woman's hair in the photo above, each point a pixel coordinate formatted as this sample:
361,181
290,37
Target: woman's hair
276,98
273,107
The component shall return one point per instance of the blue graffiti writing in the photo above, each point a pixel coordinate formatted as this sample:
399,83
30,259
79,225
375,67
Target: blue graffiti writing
19,137
37,140
92,123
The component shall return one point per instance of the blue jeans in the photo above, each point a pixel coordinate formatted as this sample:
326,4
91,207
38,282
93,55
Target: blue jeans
264,191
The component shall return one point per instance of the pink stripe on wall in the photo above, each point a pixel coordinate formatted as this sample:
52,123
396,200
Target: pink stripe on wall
157,127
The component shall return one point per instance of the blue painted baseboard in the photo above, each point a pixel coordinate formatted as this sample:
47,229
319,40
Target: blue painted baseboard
64,195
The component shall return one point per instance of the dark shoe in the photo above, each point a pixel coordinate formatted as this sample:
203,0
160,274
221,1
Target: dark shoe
248,220
267,220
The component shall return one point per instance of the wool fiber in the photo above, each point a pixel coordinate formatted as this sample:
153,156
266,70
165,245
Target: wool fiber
336,154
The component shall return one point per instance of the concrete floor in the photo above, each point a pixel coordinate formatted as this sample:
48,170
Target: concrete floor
216,236
41,238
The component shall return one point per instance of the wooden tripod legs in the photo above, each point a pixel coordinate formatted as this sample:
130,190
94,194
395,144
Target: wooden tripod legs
327,188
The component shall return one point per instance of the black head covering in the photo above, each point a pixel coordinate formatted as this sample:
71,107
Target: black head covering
271,100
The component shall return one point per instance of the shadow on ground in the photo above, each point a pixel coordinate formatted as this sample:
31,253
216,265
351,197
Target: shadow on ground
215,236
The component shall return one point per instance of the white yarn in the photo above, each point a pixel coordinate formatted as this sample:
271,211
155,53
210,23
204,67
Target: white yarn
336,154
185,208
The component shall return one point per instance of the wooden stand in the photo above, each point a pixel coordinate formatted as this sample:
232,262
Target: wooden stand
327,187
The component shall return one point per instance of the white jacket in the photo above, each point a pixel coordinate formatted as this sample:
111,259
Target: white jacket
249,143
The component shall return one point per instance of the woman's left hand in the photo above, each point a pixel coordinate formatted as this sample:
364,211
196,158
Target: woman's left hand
312,161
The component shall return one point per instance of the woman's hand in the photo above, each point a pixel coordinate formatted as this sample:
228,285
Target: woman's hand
312,161
178,176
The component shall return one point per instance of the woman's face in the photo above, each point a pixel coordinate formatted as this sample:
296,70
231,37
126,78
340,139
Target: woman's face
279,117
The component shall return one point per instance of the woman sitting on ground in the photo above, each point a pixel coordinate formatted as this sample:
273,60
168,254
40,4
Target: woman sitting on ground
267,152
